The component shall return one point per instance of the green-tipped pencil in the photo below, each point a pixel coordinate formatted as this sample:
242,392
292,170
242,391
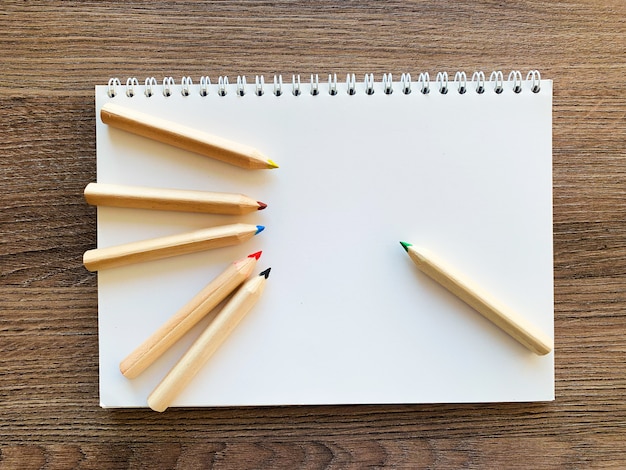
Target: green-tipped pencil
512,324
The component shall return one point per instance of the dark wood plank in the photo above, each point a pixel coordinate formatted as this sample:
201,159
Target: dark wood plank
48,150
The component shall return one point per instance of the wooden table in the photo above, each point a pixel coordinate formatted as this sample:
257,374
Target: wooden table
53,54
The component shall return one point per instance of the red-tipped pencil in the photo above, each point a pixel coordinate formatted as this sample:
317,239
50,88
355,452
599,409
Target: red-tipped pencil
208,342
183,200
190,314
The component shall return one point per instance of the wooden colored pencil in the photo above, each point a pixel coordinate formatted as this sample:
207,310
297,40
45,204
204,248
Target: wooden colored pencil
140,197
188,316
510,323
187,138
207,343
167,246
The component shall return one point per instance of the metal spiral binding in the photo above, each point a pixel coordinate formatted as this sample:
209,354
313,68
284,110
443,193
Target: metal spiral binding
130,86
387,84
332,84
150,84
497,78
424,82
113,84
295,91
535,77
186,82
478,83
259,82
205,84
479,79
315,85
460,78
442,81
369,84
222,83
278,85
168,83
351,84
241,85
405,80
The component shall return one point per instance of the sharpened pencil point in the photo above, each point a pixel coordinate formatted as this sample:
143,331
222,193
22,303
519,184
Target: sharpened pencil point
262,205
266,273
256,255
271,164
259,229
405,245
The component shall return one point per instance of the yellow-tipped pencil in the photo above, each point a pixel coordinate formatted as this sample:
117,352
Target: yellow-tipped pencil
188,316
171,245
207,343
140,197
187,138
512,324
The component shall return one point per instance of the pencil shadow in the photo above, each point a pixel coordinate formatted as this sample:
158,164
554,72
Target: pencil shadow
145,159
452,305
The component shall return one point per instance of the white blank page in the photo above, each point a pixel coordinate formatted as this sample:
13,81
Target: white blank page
346,318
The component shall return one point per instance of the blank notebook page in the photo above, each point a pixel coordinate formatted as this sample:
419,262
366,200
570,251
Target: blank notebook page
346,317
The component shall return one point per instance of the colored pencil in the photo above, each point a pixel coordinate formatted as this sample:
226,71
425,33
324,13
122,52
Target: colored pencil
512,324
188,316
207,343
187,138
140,197
167,246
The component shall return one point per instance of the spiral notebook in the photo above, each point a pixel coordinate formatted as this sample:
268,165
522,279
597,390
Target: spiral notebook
461,165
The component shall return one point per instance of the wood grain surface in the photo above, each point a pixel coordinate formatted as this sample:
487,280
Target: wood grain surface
54,52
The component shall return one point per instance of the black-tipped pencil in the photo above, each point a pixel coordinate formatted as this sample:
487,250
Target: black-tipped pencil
208,342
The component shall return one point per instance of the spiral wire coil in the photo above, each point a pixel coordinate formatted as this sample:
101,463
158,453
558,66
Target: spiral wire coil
442,85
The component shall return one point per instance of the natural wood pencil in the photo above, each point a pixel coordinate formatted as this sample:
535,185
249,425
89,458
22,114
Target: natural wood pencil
171,245
207,343
187,138
510,323
188,316
140,197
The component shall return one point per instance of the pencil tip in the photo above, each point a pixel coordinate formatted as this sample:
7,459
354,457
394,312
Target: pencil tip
262,205
405,245
259,229
266,273
256,255
271,164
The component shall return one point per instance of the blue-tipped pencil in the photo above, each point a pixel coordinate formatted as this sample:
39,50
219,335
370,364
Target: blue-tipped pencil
172,245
